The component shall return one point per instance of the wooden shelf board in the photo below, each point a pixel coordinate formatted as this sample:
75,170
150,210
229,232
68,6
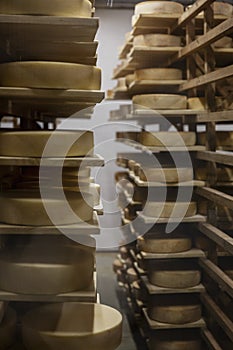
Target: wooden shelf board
92,161
153,55
189,254
125,50
216,196
151,220
154,290
89,228
155,21
25,27
154,86
155,325
221,157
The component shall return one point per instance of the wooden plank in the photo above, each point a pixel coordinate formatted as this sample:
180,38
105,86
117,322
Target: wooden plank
140,183
220,157
95,160
225,282
159,21
222,116
189,254
225,323
154,86
153,220
218,236
89,228
155,290
191,13
151,56
210,340
212,77
216,196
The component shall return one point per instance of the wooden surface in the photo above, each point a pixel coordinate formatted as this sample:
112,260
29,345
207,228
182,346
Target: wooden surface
189,254
221,157
154,86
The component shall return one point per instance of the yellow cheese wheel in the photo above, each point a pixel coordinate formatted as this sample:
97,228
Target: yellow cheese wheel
70,8
167,139
170,209
50,75
158,74
222,8
167,243
8,329
158,7
166,175
175,314
33,143
175,279
160,101
27,208
38,270
223,138
72,326
157,40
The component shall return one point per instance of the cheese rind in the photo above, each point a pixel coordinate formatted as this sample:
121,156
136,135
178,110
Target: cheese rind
157,40
175,279
170,209
69,8
223,138
27,208
50,75
33,143
166,175
167,139
175,314
170,244
158,74
158,7
72,326
160,101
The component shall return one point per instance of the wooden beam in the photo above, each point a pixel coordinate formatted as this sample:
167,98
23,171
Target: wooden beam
194,10
222,157
218,236
216,274
208,78
215,117
210,340
216,196
225,323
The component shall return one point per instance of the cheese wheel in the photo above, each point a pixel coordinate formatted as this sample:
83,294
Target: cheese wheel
175,314
176,340
33,143
72,326
165,244
175,279
222,8
223,138
132,275
223,174
8,329
157,40
167,138
161,101
166,175
50,75
129,79
158,74
27,208
34,270
124,253
2,309
170,209
70,8
32,172
159,7
196,103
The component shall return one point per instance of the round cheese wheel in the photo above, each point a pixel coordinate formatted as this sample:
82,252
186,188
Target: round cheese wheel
170,209
2,309
222,8
176,340
175,279
33,143
33,269
27,208
72,326
158,7
161,101
175,314
158,40
132,275
31,173
165,244
166,175
223,138
158,74
8,329
167,138
50,75
70,8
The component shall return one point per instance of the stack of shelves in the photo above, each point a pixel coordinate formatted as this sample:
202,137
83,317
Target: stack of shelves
48,198
207,70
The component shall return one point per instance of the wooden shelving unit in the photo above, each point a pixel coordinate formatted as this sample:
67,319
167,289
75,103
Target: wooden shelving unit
215,67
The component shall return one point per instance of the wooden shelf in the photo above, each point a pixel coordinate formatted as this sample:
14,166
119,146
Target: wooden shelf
155,290
221,157
189,254
155,21
48,28
154,86
154,325
146,56
216,196
153,220
88,295
89,228
92,161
